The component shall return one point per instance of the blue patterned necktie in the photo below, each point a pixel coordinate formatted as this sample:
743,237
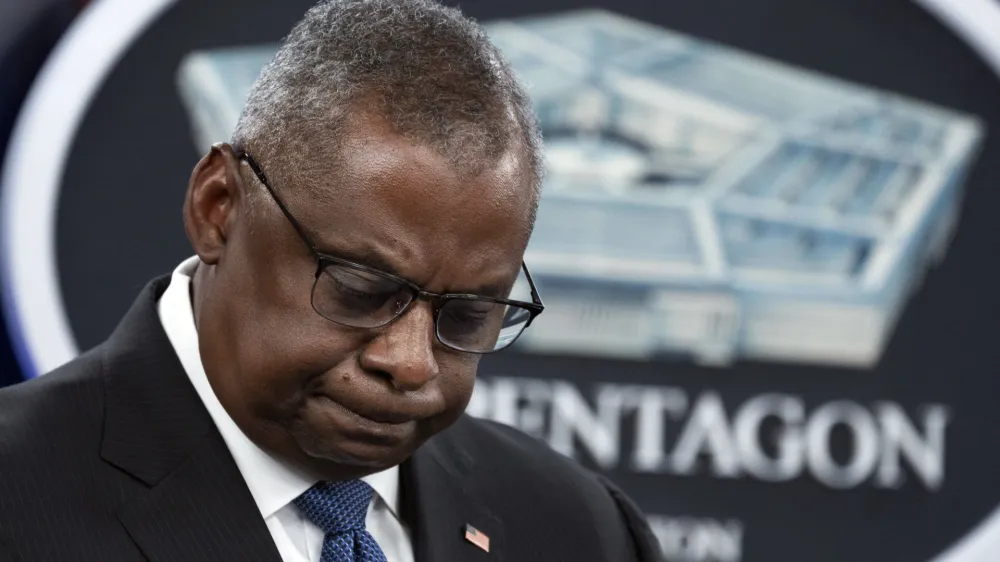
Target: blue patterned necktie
339,509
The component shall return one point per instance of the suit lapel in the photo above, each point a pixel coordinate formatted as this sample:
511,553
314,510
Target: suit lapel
439,502
201,512
198,506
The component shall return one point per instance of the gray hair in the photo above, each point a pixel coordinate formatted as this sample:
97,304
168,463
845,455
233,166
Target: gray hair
431,72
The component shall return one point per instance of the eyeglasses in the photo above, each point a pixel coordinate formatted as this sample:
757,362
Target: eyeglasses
359,296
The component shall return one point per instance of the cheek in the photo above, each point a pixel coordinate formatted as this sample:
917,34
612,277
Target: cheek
280,341
457,385
287,368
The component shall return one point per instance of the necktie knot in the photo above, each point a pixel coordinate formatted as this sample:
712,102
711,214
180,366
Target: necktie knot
336,507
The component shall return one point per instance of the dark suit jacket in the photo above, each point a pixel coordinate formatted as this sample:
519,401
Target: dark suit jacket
114,457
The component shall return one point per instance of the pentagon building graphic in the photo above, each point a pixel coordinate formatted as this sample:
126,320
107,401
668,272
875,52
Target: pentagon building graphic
703,202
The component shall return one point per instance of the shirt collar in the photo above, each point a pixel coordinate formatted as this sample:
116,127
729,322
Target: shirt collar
272,482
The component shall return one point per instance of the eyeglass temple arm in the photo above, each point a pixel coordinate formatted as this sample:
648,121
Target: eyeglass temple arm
242,155
531,284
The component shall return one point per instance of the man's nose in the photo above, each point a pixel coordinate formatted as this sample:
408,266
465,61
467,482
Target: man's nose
404,350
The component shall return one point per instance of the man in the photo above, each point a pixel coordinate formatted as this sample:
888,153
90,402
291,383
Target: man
296,391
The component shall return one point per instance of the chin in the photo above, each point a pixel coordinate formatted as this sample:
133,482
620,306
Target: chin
351,455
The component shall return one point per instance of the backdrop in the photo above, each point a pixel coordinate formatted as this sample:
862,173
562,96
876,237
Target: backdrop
28,30
763,245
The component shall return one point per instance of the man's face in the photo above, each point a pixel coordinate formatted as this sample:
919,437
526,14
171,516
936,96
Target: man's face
337,398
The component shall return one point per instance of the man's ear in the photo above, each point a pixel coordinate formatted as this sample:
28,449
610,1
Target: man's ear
212,202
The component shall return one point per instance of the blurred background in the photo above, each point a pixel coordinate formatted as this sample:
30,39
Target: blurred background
765,243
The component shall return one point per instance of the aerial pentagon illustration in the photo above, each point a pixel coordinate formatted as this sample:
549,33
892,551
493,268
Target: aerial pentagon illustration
702,202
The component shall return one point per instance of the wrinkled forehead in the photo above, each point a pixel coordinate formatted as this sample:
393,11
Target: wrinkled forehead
383,193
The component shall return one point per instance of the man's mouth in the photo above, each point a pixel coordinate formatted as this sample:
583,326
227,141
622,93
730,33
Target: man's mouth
375,416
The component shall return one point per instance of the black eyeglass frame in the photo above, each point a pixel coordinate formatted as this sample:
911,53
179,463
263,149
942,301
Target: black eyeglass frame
534,308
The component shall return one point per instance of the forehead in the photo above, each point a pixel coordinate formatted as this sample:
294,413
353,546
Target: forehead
400,201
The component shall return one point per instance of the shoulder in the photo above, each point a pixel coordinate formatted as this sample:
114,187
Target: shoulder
38,417
514,454
525,474
51,431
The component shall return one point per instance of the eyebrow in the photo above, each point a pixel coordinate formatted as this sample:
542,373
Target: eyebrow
367,257
494,290
374,260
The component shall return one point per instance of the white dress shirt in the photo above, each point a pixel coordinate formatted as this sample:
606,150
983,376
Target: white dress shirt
273,483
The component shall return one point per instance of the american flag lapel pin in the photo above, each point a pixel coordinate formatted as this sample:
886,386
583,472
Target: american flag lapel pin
477,537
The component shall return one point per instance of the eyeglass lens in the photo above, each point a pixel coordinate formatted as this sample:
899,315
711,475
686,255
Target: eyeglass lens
363,299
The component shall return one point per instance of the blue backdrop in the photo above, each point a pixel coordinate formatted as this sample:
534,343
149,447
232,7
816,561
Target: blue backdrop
28,31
